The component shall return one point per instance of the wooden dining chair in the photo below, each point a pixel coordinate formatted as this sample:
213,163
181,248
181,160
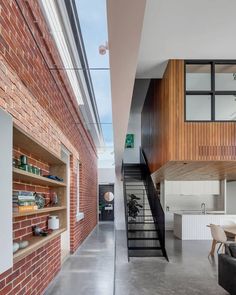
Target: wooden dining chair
219,237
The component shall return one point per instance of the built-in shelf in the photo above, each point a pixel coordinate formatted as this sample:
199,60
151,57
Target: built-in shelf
31,145
35,179
35,243
44,210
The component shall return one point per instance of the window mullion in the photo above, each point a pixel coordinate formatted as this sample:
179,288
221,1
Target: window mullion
213,91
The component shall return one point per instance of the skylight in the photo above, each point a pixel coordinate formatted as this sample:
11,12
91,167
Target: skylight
57,32
93,23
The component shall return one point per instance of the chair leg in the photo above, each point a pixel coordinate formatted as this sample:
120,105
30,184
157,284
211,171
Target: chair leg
219,247
223,249
213,246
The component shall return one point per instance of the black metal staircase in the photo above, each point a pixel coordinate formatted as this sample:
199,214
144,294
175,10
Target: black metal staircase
145,232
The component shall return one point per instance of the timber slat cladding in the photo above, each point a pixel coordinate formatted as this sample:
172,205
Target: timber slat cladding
196,170
167,137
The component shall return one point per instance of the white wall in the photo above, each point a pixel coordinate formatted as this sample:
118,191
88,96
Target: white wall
134,127
192,203
106,175
119,205
6,256
231,197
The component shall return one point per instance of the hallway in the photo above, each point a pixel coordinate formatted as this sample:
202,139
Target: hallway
90,271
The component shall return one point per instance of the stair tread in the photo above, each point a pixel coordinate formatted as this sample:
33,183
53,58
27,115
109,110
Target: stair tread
144,216
140,222
144,248
141,230
143,239
134,185
144,209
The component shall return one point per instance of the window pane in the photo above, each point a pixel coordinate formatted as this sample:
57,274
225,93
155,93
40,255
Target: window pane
198,77
225,76
198,107
225,107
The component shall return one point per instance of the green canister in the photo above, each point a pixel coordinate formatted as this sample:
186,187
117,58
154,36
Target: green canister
33,169
24,160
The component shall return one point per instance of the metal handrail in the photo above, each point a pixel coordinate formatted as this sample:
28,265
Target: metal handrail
154,202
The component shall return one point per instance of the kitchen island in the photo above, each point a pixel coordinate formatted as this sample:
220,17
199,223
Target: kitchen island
193,226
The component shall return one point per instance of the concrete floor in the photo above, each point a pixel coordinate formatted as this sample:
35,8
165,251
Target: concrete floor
91,270
188,272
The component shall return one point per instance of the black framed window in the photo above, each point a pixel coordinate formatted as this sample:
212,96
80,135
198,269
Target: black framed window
210,90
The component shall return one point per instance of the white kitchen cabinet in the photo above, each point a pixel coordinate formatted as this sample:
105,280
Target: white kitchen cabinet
194,226
192,187
6,128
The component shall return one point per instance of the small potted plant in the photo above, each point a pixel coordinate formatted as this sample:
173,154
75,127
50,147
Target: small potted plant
133,206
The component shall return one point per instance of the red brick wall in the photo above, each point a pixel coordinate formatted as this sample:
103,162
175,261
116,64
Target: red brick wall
22,226
30,276
42,103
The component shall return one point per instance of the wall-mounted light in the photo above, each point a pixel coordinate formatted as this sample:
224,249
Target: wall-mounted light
103,48
234,76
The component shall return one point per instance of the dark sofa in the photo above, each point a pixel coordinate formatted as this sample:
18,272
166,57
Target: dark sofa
227,269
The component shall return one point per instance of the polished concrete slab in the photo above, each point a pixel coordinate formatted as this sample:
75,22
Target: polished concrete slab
90,271
188,272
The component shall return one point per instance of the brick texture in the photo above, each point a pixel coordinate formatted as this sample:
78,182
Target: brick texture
31,275
42,103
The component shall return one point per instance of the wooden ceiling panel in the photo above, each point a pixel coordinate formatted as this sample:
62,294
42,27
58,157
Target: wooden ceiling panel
196,170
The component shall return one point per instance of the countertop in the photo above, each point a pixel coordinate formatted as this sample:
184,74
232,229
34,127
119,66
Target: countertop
190,225
201,214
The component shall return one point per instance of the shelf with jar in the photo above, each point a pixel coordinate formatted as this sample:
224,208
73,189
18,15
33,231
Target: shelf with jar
36,179
41,176
28,203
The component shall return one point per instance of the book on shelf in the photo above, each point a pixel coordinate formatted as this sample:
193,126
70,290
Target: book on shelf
25,209
24,201
23,193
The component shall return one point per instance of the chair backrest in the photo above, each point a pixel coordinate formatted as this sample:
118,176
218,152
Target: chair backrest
218,233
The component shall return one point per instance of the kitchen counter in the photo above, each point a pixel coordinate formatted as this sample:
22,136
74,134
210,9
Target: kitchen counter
193,225
200,213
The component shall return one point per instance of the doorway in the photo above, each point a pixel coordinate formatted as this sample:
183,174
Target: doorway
106,202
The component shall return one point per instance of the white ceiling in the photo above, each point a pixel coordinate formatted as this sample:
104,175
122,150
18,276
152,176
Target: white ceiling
186,29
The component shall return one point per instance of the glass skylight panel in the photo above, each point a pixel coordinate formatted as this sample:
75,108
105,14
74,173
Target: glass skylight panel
57,33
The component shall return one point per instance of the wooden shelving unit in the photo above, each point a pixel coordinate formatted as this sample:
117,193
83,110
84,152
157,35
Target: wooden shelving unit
35,243
44,210
35,179
21,141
